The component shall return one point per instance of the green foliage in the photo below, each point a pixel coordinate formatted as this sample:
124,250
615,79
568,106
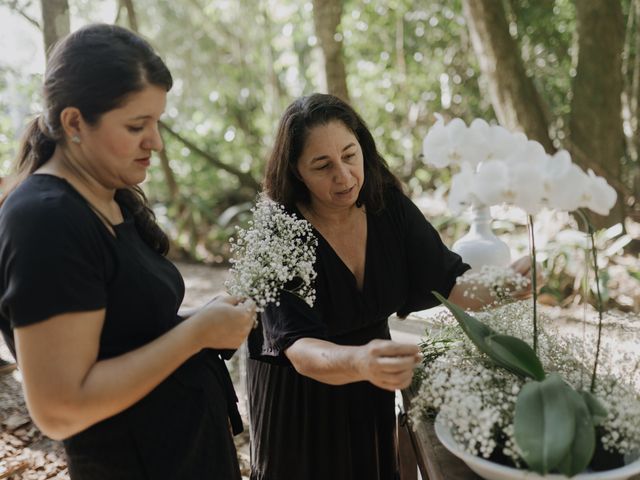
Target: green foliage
19,98
506,351
238,63
545,30
553,427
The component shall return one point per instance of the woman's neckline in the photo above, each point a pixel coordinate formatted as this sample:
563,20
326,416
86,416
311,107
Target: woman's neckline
104,220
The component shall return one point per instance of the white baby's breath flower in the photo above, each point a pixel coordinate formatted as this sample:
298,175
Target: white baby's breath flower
477,399
277,252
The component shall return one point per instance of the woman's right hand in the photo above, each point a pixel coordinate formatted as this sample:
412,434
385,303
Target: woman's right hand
224,323
388,364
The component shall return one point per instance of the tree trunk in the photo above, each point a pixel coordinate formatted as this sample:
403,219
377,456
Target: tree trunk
596,121
326,18
514,97
131,14
55,22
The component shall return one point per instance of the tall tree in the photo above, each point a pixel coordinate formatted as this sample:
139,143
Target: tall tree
596,138
131,13
514,97
55,22
596,121
326,18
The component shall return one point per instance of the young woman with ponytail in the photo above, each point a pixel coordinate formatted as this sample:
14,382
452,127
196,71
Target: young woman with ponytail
88,301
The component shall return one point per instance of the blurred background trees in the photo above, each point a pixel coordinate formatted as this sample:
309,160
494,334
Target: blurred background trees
566,73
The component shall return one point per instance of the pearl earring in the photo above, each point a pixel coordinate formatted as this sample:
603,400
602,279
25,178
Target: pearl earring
75,138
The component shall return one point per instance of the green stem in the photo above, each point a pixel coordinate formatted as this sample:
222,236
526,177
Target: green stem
594,254
534,282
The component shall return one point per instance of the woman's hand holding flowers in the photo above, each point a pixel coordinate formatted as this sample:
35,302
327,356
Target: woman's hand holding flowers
224,323
388,364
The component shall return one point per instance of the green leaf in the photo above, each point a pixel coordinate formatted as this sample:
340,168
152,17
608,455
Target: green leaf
508,352
515,355
473,328
545,423
584,439
596,409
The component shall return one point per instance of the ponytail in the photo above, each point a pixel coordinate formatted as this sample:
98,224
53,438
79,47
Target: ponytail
36,147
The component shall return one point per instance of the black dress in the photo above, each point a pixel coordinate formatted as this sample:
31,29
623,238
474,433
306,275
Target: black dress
304,429
56,256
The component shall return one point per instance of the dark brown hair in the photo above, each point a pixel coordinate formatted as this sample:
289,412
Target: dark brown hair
282,182
94,69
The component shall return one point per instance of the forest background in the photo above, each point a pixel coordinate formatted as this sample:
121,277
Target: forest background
566,73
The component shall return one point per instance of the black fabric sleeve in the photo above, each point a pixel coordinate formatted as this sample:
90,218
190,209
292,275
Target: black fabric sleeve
52,261
431,265
281,325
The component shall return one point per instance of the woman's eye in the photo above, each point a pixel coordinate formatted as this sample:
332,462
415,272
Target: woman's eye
350,156
135,129
322,167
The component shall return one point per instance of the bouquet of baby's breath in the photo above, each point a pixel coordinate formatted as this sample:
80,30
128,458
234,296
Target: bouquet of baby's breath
275,253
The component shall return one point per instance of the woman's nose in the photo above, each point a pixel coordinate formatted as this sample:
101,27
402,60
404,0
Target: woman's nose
153,141
343,173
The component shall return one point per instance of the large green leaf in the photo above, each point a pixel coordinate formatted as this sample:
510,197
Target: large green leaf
597,410
545,424
515,355
584,439
508,352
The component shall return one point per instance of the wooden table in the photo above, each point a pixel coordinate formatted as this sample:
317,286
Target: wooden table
418,445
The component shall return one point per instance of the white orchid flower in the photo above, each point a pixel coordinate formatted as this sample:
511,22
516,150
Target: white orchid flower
492,182
461,193
526,185
503,142
516,183
435,145
448,144
599,196
564,182
528,151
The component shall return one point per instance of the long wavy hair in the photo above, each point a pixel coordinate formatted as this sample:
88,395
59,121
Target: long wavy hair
94,69
282,182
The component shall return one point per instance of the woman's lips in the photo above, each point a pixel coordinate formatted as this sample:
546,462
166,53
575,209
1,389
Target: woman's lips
146,161
346,192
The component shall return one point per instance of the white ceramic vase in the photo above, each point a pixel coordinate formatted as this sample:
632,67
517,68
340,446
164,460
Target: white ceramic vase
495,471
480,246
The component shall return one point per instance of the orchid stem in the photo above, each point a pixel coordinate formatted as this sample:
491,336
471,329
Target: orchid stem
598,294
534,281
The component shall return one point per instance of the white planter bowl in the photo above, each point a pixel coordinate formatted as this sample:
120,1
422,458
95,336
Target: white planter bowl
494,471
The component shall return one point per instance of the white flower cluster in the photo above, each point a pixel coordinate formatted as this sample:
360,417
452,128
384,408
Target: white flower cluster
277,252
622,425
501,282
477,399
498,166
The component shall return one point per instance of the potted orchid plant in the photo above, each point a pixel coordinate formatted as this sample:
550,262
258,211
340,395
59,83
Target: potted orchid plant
514,399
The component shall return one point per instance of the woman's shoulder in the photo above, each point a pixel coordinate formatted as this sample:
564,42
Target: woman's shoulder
43,203
396,202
